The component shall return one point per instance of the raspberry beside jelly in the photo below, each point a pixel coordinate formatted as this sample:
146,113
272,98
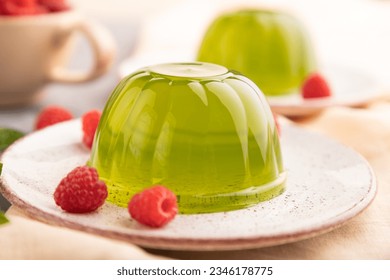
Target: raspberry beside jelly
52,115
153,207
90,121
315,86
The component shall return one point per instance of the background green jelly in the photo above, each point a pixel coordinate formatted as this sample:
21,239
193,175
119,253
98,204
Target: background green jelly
269,47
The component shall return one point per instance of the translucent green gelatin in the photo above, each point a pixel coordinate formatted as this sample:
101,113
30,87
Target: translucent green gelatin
269,47
199,129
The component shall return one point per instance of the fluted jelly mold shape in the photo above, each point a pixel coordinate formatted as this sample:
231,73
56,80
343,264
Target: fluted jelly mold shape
202,131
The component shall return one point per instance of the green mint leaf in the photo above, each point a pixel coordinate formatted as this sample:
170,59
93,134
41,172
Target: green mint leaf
1,167
8,136
3,219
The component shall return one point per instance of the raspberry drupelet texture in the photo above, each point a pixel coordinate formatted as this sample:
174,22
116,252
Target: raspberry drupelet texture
52,115
277,124
154,207
315,86
81,191
90,121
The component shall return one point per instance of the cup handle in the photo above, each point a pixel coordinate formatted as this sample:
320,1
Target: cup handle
103,47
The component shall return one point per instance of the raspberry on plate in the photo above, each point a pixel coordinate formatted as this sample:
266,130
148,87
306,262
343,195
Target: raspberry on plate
20,7
315,86
277,124
81,191
54,5
153,207
90,121
52,115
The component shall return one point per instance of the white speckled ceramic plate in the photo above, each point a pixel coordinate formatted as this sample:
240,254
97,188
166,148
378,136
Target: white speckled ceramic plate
350,87
327,185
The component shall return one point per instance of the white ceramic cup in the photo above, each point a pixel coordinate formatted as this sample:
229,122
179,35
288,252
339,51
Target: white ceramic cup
34,51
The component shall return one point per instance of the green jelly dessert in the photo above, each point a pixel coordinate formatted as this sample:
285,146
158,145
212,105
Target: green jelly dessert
269,47
202,131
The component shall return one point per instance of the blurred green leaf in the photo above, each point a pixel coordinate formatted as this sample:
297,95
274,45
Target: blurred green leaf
3,219
8,136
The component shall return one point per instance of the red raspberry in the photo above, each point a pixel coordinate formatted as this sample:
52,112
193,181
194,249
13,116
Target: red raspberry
17,7
18,2
52,115
315,86
90,121
81,191
276,118
40,10
153,207
31,7
54,5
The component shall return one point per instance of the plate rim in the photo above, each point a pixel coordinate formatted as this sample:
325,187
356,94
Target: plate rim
184,244
196,244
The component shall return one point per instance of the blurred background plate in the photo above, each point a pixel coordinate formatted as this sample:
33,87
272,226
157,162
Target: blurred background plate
350,87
